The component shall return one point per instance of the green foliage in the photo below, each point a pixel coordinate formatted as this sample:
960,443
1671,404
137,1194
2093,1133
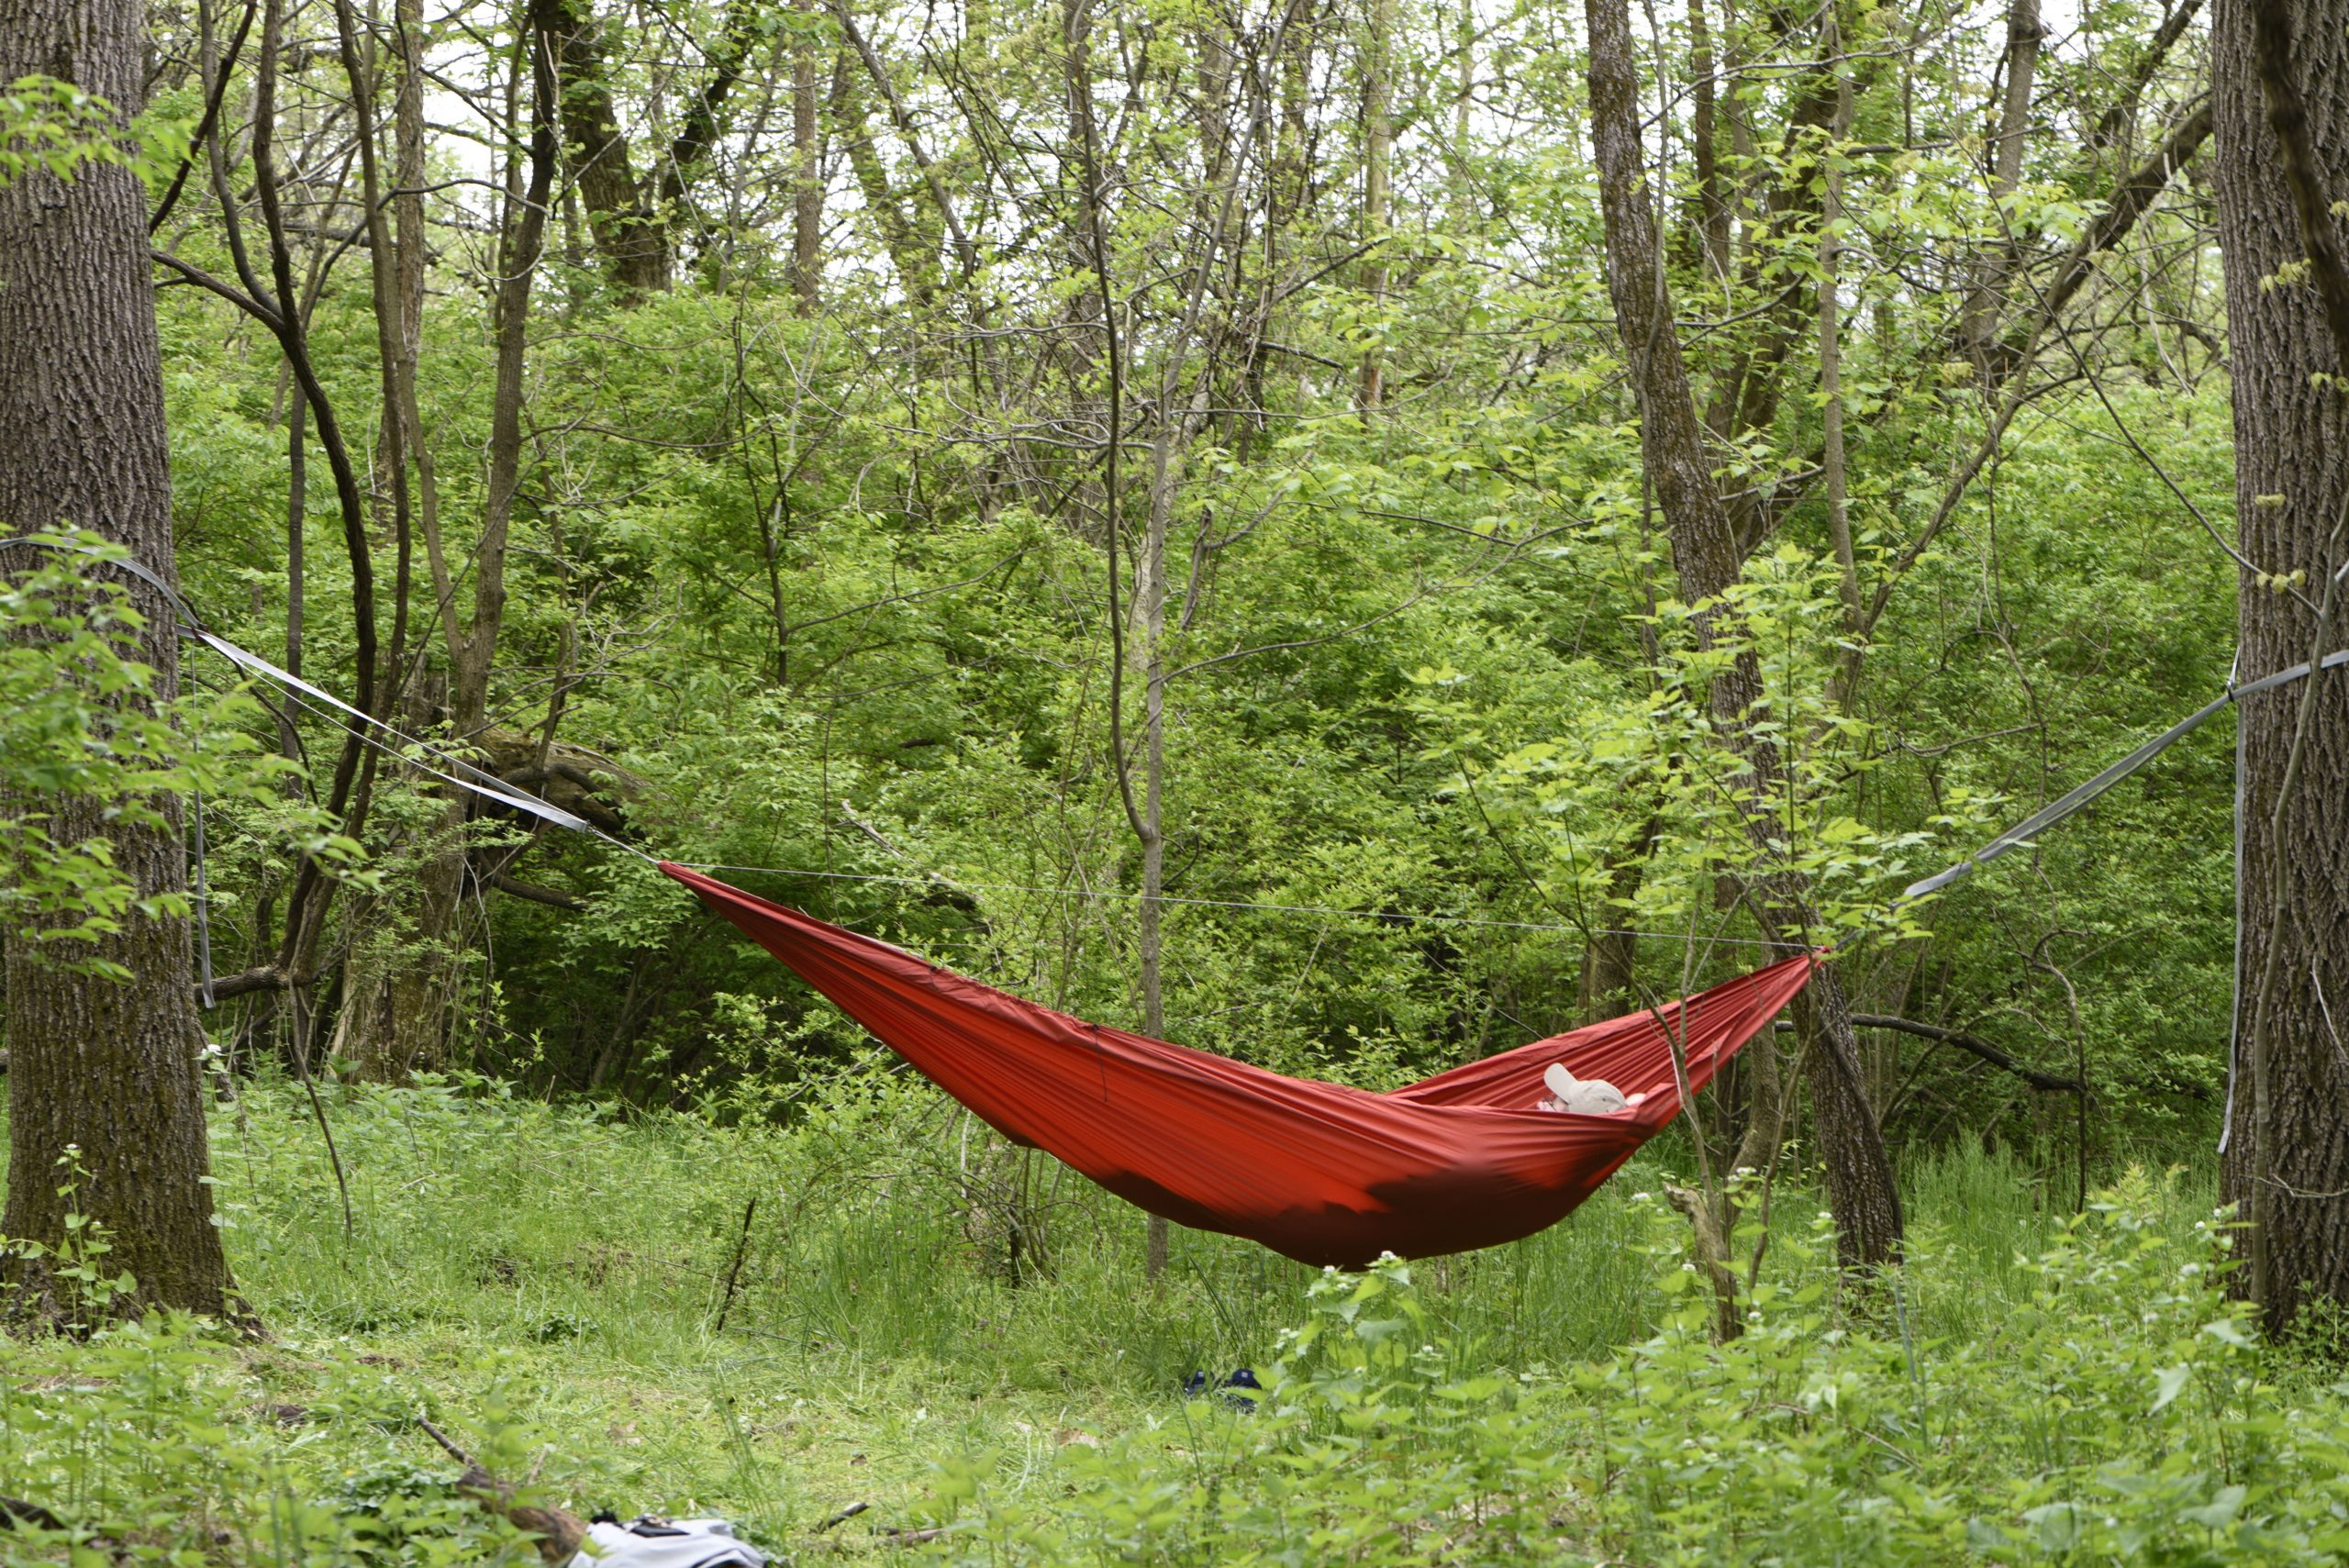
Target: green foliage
56,128
146,1441
1648,785
53,125
543,1283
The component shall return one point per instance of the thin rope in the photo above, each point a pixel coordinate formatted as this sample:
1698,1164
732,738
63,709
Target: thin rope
936,880
491,787
2085,795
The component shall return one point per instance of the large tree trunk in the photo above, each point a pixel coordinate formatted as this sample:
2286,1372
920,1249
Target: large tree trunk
1705,554
108,1068
2292,477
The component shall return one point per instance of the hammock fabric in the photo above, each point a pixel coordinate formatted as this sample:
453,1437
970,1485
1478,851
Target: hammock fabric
1321,1172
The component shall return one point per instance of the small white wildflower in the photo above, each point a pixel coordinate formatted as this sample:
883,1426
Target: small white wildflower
2190,1271
1687,1268
1639,1198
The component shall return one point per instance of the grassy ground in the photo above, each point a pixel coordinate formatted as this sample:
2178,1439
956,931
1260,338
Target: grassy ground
878,1320
918,1319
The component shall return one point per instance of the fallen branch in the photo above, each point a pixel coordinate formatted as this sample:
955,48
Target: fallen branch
734,1275
15,1512
559,1532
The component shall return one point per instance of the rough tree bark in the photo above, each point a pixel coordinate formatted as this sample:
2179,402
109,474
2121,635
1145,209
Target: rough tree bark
807,170
631,239
1378,136
2024,32
108,1068
2292,476
1860,1183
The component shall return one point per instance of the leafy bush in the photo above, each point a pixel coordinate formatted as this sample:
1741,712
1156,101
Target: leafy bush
2127,1413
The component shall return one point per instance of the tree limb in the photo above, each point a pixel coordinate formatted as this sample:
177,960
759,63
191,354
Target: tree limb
554,899
1974,1044
262,977
2131,200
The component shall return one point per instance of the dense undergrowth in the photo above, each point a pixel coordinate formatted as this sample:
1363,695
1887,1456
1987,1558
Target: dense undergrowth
547,1285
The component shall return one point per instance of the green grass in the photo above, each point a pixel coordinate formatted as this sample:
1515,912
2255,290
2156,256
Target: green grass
547,1281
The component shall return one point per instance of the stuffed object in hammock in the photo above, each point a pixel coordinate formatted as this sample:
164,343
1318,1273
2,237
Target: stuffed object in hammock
1319,1172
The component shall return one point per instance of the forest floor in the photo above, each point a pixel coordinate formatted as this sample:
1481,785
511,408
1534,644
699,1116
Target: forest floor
547,1286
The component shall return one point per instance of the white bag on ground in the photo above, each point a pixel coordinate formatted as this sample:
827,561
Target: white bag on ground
667,1543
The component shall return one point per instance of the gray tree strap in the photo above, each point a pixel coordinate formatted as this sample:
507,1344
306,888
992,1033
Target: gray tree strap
455,770
2039,821
2235,964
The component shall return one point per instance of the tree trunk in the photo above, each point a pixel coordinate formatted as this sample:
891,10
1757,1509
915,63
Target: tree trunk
2292,478
108,1068
1609,955
2024,31
915,258
1713,210
399,1001
1378,120
807,172
1149,610
630,237
1705,554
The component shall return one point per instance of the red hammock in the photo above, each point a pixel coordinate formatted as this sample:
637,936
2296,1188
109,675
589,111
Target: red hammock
1324,1174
